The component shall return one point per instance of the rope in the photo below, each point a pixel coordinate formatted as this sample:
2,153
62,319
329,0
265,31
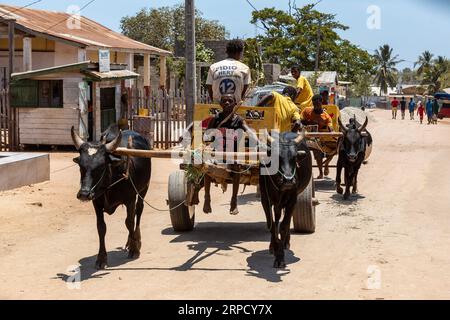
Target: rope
148,204
64,169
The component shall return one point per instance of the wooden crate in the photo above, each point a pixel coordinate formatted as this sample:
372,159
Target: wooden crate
145,126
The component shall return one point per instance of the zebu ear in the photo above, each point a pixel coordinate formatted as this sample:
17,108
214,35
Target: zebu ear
364,126
116,161
77,141
113,145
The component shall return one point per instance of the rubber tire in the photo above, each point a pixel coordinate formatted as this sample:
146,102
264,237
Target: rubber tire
182,220
305,211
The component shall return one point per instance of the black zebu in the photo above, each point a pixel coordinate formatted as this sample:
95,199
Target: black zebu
352,154
103,182
280,191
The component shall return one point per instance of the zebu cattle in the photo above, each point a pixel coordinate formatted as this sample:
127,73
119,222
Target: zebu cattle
279,192
103,183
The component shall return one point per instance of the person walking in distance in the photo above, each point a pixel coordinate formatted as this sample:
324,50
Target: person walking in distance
429,108
403,107
421,111
412,109
394,105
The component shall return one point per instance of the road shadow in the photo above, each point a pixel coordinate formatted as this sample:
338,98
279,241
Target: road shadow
260,265
354,198
250,198
87,270
209,239
214,238
326,184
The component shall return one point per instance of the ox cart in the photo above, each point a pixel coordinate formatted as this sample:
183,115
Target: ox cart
185,184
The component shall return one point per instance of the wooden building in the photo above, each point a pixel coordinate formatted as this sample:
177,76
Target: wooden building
70,72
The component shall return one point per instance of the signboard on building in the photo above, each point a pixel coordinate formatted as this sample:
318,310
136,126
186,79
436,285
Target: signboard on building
104,60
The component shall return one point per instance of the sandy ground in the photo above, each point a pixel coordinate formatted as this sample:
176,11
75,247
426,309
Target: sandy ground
390,242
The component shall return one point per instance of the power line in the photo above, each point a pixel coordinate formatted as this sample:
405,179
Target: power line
65,19
18,9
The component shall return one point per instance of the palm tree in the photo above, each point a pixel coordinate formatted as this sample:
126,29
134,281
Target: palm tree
424,62
434,75
386,72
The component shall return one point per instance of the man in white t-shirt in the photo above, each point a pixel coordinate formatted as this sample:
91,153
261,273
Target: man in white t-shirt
229,76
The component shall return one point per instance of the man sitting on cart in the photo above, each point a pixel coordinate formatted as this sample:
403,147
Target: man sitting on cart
287,113
225,121
317,116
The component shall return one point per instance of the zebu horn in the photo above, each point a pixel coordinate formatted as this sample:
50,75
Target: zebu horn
363,128
113,145
77,141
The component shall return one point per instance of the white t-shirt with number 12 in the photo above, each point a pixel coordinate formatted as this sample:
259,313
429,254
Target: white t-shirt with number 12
228,77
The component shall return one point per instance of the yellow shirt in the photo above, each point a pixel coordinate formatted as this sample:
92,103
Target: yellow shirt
286,111
305,97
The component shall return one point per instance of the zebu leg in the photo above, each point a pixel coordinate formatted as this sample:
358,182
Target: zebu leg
278,245
355,182
102,258
139,211
339,189
285,228
132,245
348,182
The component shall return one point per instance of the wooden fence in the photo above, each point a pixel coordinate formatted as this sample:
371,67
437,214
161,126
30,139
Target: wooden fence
9,138
161,116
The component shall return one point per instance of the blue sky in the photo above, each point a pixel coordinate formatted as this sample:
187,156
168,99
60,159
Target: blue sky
409,26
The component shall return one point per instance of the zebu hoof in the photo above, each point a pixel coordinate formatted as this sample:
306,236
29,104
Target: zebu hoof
279,264
340,190
134,255
207,209
101,264
234,212
327,172
355,192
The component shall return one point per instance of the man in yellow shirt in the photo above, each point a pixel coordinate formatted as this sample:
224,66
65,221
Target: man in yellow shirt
304,90
286,112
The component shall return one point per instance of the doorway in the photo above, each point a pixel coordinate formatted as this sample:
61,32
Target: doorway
107,107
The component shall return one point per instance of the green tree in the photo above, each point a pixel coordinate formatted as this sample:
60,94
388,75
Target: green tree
424,62
163,27
361,87
291,38
435,75
253,59
386,75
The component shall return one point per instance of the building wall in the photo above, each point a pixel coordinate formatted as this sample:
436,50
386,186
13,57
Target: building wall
51,126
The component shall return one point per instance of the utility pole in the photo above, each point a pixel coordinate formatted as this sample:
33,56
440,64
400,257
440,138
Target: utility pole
318,45
190,54
11,112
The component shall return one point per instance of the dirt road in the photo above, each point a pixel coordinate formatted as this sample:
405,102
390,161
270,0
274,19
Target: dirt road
390,242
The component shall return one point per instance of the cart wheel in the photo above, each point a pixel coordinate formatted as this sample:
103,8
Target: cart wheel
305,211
182,216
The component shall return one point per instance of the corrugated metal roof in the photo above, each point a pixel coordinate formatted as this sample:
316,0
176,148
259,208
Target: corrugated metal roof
326,77
90,33
111,75
40,72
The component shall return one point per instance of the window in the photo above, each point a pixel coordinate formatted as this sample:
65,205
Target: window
37,94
